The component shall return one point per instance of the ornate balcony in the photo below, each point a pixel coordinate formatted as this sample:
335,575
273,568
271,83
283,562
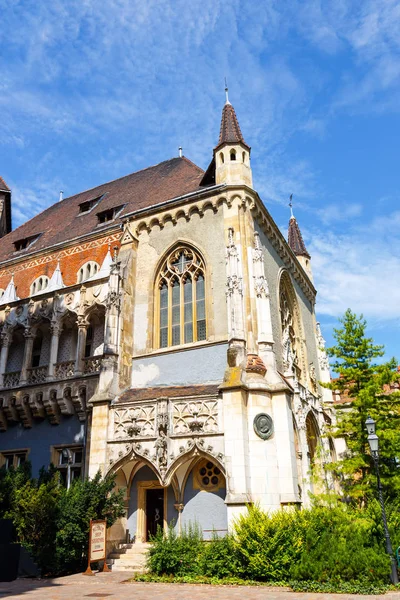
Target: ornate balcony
92,364
11,380
37,374
64,370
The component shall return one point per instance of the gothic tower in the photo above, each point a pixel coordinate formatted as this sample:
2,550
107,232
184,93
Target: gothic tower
232,154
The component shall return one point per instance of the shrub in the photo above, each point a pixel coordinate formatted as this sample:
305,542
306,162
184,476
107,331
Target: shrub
52,522
219,557
171,554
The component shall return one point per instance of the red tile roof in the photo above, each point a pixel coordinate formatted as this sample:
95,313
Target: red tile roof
62,221
3,186
184,391
230,132
295,239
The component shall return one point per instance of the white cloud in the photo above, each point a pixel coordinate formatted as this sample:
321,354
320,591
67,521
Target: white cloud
357,269
332,213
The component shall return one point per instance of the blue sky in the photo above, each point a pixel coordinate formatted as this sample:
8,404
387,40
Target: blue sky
90,91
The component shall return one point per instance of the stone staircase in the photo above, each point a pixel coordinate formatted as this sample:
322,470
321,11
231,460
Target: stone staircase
129,557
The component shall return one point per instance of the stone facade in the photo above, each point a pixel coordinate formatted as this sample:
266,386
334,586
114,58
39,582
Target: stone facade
200,387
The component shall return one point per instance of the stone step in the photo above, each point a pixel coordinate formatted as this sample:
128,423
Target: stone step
126,568
127,560
129,557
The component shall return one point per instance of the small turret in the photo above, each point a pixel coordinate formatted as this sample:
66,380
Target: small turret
232,154
296,243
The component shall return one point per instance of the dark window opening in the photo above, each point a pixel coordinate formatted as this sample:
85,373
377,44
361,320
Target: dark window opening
36,351
24,243
110,214
89,342
87,206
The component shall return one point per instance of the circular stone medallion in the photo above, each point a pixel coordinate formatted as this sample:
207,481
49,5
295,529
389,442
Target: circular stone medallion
263,426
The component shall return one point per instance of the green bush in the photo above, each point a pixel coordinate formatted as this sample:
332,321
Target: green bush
86,499
219,557
327,546
52,522
171,554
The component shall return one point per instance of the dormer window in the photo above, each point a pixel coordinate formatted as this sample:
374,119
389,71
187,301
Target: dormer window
86,207
25,243
110,214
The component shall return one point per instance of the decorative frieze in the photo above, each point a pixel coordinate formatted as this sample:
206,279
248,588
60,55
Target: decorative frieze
195,416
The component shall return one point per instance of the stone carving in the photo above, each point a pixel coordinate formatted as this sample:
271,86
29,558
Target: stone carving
260,283
113,300
37,374
195,416
161,445
261,286
322,358
162,416
92,364
234,283
11,380
65,369
255,365
134,429
263,426
128,420
313,375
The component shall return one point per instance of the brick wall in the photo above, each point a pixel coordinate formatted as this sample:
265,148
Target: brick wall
71,259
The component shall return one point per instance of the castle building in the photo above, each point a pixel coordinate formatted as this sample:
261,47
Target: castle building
161,327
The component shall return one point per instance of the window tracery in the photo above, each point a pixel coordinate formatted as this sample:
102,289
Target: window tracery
289,339
181,302
208,477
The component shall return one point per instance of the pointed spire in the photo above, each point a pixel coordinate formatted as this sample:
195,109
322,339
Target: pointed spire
230,130
56,281
10,293
295,239
226,93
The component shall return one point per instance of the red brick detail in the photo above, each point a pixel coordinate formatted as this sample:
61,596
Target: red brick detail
71,259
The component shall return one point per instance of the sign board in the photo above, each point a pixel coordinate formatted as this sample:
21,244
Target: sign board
97,544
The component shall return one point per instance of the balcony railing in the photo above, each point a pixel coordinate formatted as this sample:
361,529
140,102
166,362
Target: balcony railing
64,370
37,374
11,380
92,364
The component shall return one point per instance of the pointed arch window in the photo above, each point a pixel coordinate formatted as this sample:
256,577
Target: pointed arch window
180,299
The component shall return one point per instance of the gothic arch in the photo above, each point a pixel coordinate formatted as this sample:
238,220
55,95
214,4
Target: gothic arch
313,436
180,293
292,331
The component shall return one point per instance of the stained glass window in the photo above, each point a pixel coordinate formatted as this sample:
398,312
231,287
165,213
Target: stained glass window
181,299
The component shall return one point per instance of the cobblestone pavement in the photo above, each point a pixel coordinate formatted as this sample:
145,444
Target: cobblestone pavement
113,586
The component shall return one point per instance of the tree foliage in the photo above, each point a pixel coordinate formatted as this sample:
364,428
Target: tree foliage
53,522
368,386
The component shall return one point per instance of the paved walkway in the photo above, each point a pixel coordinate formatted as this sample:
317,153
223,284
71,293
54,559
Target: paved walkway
114,587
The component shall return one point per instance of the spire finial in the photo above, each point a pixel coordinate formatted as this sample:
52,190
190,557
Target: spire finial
226,93
291,206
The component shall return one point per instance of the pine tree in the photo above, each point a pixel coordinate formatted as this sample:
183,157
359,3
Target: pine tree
367,388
